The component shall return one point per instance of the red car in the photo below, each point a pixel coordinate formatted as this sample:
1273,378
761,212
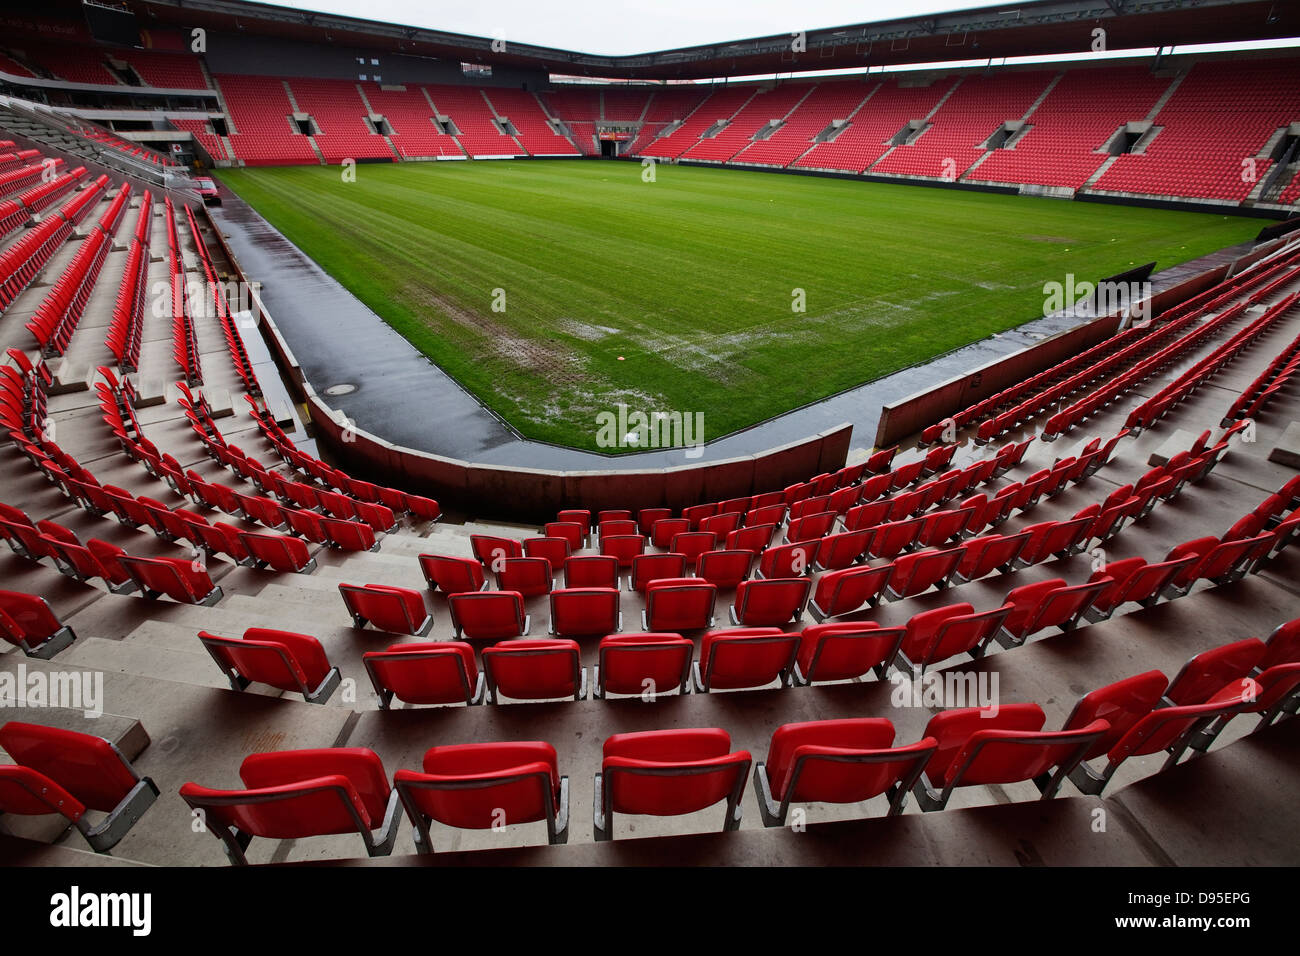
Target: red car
207,189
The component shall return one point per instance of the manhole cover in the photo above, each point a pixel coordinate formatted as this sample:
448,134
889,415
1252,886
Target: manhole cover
344,389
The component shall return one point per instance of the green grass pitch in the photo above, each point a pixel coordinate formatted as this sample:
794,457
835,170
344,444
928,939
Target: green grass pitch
554,290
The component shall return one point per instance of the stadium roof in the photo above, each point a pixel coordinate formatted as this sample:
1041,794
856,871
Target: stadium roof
1032,28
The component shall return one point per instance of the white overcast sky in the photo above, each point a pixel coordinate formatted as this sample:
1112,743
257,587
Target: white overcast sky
616,27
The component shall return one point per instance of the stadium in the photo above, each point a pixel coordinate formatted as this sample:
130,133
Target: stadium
871,445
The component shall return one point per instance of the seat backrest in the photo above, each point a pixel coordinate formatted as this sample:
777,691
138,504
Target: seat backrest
488,615
437,672
399,610
555,550
836,551
839,761
665,773
493,550
88,767
1121,704
570,531
591,571
30,614
265,661
839,592
642,663
530,576
746,656
1207,672
452,575
538,669
951,729
296,794
584,611
178,579
846,650
649,567
1282,645
476,786
281,552
725,569
677,604
773,601
996,756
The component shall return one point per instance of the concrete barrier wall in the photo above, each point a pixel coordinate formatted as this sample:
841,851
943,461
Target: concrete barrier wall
532,494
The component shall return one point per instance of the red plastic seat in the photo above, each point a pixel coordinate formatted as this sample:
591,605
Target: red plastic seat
721,524
537,669
1208,672
665,529
578,516
554,550
420,672
943,526
668,773
845,651
291,662
399,610
1121,704
623,548
1050,603
591,571
585,611
751,538
692,544
1282,646
80,562
725,569
301,793
531,577
452,575
917,573
279,552
570,531
348,535
894,537
773,514
70,773
787,560
979,747
484,786
488,615
650,567
27,622
679,604
646,518
772,601
643,664
837,761
843,592
180,580
838,551
810,527
745,657
945,632
492,550
1170,729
